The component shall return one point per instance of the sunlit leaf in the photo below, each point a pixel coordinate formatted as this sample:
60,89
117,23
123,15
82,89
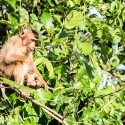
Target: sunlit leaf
24,15
43,95
46,19
108,90
35,21
114,61
86,48
13,20
73,19
45,61
12,3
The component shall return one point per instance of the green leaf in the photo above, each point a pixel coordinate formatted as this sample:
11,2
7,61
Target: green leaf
80,74
57,51
46,19
43,60
4,105
86,48
61,69
12,3
27,122
89,70
17,85
35,22
13,21
105,91
24,15
50,68
113,5
117,39
73,19
114,61
42,95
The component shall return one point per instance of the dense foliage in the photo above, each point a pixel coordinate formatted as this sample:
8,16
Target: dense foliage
80,54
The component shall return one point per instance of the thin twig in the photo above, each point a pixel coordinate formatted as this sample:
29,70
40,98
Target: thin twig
2,88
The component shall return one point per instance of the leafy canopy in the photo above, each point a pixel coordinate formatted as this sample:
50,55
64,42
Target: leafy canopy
80,54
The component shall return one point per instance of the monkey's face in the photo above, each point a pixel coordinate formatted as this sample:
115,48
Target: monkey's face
31,46
31,41
29,37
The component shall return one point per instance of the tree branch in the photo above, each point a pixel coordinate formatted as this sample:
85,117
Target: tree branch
51,112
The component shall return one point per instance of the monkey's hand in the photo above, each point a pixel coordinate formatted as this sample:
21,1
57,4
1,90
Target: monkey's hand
43,84
37,83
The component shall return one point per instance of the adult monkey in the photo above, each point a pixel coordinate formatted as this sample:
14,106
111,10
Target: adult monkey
16,61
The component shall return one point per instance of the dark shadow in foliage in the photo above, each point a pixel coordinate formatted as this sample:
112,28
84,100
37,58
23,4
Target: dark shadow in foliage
43,120
85,59
4,106
123,118
37,109
63,34
106,54
24,113
89,70
92,29
54,122
106,35
3,33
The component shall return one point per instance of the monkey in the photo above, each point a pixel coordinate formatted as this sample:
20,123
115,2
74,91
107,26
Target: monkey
16,59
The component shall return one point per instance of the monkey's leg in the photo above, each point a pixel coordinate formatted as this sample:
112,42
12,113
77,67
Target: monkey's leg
19,72
5,71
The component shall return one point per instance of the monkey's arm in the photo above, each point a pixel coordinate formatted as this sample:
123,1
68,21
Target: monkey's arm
29,61
10,58
40,78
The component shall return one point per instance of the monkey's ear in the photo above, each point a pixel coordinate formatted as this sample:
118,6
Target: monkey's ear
23,34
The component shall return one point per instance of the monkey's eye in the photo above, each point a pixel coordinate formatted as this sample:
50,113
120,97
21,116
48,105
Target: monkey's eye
32,40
